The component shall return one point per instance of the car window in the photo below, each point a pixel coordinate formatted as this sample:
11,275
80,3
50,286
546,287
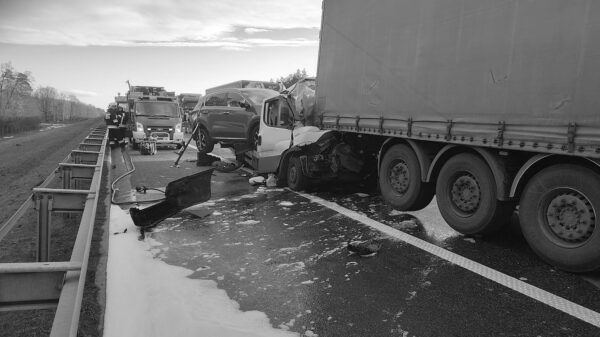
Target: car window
234,99
272,114
278,114
217,100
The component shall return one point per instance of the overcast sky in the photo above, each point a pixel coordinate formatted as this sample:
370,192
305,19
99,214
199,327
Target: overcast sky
91,48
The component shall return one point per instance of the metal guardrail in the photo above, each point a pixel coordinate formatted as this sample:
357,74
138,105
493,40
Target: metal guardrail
44,284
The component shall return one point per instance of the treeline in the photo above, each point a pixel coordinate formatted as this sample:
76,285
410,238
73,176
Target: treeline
23,108
290,79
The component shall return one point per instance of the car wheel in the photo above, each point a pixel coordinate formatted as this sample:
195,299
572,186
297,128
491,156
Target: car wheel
295,177
466,196
559,212
253,136
135,145
203,142
400,180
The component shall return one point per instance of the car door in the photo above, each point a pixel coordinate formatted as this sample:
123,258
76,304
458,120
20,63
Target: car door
275,134
213,114
239,116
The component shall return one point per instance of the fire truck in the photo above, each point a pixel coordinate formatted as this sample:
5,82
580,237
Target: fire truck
153,115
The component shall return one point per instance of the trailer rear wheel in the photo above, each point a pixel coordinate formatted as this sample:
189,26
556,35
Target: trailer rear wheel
400,180
466,196
559,217
295,177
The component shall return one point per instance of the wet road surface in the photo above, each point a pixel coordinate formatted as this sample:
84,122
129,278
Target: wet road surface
278,252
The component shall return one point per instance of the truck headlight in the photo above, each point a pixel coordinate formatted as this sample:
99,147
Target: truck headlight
178,127
139,127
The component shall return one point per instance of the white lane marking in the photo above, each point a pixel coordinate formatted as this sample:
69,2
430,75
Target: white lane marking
526,289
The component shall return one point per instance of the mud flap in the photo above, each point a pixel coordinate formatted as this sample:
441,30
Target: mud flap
179,194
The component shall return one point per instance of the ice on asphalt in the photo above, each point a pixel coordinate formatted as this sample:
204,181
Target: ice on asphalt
147,297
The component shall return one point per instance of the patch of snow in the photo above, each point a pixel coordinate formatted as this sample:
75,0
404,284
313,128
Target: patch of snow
396,212
307,282
256,180
362,195
471,240
296,266
147,297
248,222
286,203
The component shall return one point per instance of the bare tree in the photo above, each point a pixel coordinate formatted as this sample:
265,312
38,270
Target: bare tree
46,97
14,88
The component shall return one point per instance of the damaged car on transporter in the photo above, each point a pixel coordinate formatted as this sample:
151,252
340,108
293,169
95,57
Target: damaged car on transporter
228,116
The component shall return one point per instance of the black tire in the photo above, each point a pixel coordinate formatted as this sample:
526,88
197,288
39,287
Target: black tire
559,212
178,146
203,141
466,196
253,136
135,145
294,176
400,180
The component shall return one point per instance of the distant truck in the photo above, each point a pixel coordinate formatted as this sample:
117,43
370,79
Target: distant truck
490,106
155,116
245,84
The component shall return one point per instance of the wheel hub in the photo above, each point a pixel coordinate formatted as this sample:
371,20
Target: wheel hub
292,174
466,194
400,177
571,217
202,141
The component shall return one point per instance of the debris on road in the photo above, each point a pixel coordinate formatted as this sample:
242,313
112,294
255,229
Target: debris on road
258,180
179,194
364,248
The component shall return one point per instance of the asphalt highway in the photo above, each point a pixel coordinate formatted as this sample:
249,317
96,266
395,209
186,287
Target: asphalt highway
286,254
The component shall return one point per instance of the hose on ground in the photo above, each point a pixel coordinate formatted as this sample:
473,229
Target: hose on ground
114,190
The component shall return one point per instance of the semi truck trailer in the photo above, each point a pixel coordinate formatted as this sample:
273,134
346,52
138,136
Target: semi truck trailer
490,106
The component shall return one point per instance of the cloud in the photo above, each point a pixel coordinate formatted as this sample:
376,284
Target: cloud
251,30
82,93
140,22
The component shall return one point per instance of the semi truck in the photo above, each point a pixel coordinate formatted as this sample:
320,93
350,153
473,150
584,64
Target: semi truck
154,116
490,106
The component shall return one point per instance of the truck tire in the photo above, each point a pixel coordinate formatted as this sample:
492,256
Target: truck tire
295,178
400,180
559,212
203,141
135,145
466,196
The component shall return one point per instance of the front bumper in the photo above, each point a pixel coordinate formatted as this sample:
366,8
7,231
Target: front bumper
160,137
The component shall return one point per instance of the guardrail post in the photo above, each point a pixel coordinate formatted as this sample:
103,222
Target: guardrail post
43,205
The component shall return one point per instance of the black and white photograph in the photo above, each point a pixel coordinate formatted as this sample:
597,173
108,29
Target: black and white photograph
301,168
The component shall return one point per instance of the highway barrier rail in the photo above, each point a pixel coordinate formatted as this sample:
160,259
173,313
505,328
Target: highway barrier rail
58,284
